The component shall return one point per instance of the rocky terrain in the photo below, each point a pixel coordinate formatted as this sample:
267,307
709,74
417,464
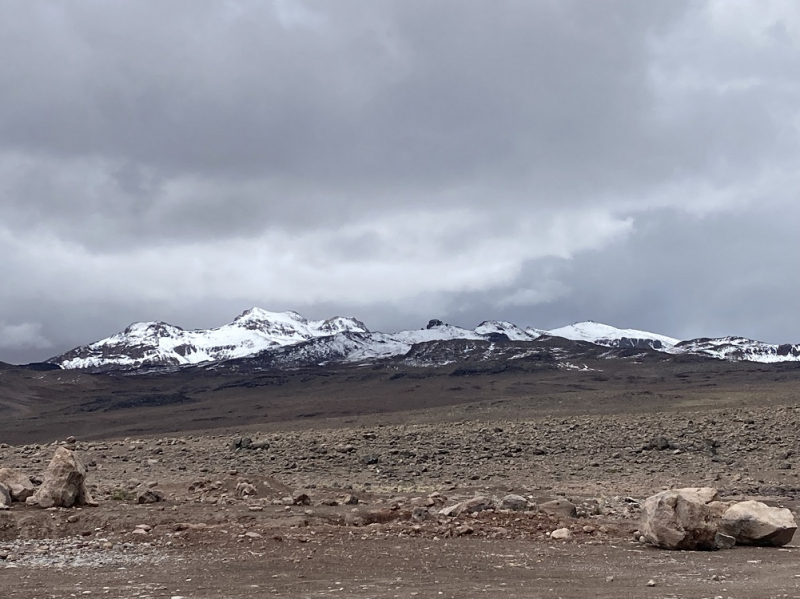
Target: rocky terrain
356,510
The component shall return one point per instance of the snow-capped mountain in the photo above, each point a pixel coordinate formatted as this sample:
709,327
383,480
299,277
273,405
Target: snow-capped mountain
287,340
740,349
162,344
603,334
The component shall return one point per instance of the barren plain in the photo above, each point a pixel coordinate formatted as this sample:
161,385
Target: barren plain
343,497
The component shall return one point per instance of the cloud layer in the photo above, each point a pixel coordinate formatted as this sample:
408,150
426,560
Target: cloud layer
545,162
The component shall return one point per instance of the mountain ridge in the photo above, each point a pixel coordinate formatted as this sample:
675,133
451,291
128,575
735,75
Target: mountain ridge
288,339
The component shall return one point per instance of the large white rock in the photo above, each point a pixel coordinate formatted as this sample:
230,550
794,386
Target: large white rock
756,523
18,483
683,519
64,482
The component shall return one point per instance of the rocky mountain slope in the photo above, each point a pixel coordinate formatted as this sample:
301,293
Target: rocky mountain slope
282,340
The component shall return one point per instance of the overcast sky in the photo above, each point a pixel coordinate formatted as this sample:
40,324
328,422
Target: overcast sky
540,161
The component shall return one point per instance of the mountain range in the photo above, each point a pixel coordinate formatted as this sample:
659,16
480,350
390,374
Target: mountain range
281,340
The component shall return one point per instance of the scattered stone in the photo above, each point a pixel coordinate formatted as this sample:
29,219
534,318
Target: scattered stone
148,495
435,499
370,459
651,583
64,482
301,499
755,523
420,513
478,503
350,500
246,489
561,507
723,541
561,534
241,443
464,530
516,503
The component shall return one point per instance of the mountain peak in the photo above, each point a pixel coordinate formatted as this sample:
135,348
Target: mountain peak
256,314
157,328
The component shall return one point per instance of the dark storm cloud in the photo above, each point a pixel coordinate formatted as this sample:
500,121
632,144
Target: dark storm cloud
398,160
324,112
730,274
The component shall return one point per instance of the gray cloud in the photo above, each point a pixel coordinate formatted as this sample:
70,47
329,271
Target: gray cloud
399,160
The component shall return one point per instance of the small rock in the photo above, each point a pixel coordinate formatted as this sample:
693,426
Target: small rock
245,489
515,503
561,534
301,499
560,507
723,541
651,583
478,503
145,495
464,530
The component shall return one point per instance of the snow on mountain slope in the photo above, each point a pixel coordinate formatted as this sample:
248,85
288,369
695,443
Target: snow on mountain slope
603,334
286,339
436,330
510,330
738,349
158,343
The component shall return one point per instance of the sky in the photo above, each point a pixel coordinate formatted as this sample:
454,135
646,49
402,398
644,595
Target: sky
539,161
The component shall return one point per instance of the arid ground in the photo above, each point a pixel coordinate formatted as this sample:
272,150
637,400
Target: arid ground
358,463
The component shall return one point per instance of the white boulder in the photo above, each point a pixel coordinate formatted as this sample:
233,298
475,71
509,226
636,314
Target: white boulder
756,523
64,482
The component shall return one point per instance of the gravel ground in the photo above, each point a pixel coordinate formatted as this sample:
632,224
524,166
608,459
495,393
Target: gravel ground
369,524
